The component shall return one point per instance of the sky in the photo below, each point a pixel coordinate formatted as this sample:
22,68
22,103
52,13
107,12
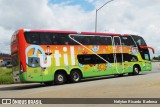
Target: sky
138,17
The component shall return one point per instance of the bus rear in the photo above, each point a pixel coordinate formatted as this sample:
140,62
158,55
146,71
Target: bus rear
18,56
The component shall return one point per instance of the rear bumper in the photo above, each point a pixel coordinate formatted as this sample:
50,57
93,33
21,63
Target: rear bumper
16,77
19,78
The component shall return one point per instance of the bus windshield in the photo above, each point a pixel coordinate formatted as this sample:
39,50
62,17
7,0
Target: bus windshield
139,40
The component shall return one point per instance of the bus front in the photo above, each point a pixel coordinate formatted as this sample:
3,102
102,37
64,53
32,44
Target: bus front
145,58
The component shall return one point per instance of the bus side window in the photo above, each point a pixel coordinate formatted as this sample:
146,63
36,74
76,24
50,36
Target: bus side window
129,58
119,57
45,39
117,41
35,39
128,41
91,40
80,39
54,41
105,41
64,40
84,59
94,59
32,38
57,39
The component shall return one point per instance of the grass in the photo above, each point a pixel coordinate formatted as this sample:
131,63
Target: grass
6,75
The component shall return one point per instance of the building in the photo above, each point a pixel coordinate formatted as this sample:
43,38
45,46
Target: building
1,62
5,60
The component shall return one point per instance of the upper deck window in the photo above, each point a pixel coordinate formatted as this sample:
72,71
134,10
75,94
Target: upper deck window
93,40
128,41
32,38
47,38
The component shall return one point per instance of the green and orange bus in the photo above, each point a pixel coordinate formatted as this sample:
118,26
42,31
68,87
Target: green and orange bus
50,56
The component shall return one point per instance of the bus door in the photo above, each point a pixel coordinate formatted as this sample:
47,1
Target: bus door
146,56
117,55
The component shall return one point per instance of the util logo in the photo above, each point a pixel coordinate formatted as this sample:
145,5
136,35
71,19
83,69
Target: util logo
45,60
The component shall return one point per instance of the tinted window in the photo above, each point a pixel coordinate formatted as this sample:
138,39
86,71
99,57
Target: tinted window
127,40
32,38
105,40
107,57
93,40
119,57
139,40
94,59
61,39
145,54
45,38
129,57
117,41
85,40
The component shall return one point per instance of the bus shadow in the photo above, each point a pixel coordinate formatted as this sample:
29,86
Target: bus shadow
38,85
21,87
108,77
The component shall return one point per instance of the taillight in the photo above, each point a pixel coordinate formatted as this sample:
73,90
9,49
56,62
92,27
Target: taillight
21,69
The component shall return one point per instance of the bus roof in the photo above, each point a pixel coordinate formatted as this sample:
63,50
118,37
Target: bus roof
102,33
74,32
55,31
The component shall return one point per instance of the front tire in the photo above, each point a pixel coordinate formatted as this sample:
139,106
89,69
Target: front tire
135,70
60,78
75,76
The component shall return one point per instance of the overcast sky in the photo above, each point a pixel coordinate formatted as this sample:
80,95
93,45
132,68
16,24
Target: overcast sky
140,17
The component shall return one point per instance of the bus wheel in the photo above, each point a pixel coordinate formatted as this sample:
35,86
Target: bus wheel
60,78
135,70
75,76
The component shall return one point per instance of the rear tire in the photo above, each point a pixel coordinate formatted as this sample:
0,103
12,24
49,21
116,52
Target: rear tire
135,70
60,78
75,76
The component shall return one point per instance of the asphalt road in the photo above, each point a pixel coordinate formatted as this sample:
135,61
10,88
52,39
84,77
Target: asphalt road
145,85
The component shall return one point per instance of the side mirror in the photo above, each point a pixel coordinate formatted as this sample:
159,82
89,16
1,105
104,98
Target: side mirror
146,47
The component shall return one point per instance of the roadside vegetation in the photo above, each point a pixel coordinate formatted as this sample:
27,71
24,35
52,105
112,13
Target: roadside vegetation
6,75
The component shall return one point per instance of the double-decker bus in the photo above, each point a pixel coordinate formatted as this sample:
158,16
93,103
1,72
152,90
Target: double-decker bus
50,56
